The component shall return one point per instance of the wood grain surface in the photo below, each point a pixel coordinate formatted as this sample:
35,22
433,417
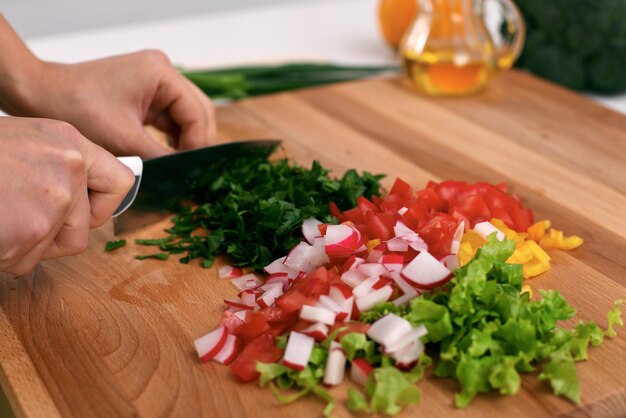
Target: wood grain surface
105,335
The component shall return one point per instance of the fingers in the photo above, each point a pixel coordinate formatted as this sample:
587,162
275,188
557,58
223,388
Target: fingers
188,107
73,236
140,143
108,181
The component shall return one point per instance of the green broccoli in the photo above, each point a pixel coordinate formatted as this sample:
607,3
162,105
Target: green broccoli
580,44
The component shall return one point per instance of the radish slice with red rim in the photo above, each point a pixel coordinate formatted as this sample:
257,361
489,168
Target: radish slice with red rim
335,365
425,271
367,302
229,352
456,239
208,346
310,230
298,350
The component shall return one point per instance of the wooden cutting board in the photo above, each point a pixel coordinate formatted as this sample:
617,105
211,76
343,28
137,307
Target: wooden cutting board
105,335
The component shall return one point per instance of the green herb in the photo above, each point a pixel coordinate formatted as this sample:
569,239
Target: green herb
114,245
251,209
240,82
158,256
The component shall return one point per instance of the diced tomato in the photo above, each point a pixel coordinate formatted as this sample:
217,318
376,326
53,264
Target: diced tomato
277,314
379,225
438,234
322,228
261,349
301,324
402,189
254,325
392,203
448,189
230,321
522,217
334,210
415,214
305,291
365,205
354,215
431,200
495,198
473,206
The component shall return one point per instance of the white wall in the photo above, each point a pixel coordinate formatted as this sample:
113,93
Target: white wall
33,18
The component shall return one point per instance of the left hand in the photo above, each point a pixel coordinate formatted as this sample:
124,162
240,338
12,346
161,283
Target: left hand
110,101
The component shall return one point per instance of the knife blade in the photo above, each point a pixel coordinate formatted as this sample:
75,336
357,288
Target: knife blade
161,179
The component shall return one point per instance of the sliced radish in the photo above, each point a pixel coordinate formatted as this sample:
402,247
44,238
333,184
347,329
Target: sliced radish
310,229
318,331
340,291
229,352
382,282
360,371
400,229
451,261
406,340
374,256
347,307
402,210
371,269
351,263
319,257
335,364
276,266
209,345
229,272
353,278
270,295
317,314
418,244
389,329
407,358
329,303
406,298
456,239
237,303
342,240
425,271
301,258
484,229
298,350
247,281
281,278
241,315
367,302
397,245
403,284
392,262
365,287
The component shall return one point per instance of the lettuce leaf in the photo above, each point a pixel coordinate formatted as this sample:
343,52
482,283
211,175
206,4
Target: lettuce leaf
614,318
389,390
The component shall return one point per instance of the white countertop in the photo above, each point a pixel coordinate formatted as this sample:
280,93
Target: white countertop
344,31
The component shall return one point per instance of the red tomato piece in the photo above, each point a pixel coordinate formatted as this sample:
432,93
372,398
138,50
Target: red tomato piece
365,205
474,207
254,325
334,210
276,314
379,226
307,290
262,349
438,234
448,189
431,200
402,189
354,215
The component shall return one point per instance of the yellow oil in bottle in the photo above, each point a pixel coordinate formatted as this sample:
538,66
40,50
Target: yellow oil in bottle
444,73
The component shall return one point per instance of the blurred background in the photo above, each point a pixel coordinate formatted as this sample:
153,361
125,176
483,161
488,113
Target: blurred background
33,18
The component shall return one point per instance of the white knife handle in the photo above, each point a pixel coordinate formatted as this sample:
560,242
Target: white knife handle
136,166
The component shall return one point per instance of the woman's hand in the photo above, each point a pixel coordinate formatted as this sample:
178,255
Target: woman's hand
110,101
55,185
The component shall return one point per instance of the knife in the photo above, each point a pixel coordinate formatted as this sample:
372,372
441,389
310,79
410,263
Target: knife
158,181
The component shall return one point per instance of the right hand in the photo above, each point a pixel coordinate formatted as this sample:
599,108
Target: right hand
54,186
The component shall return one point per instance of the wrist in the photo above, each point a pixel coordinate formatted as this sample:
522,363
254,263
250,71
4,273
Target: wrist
21,83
